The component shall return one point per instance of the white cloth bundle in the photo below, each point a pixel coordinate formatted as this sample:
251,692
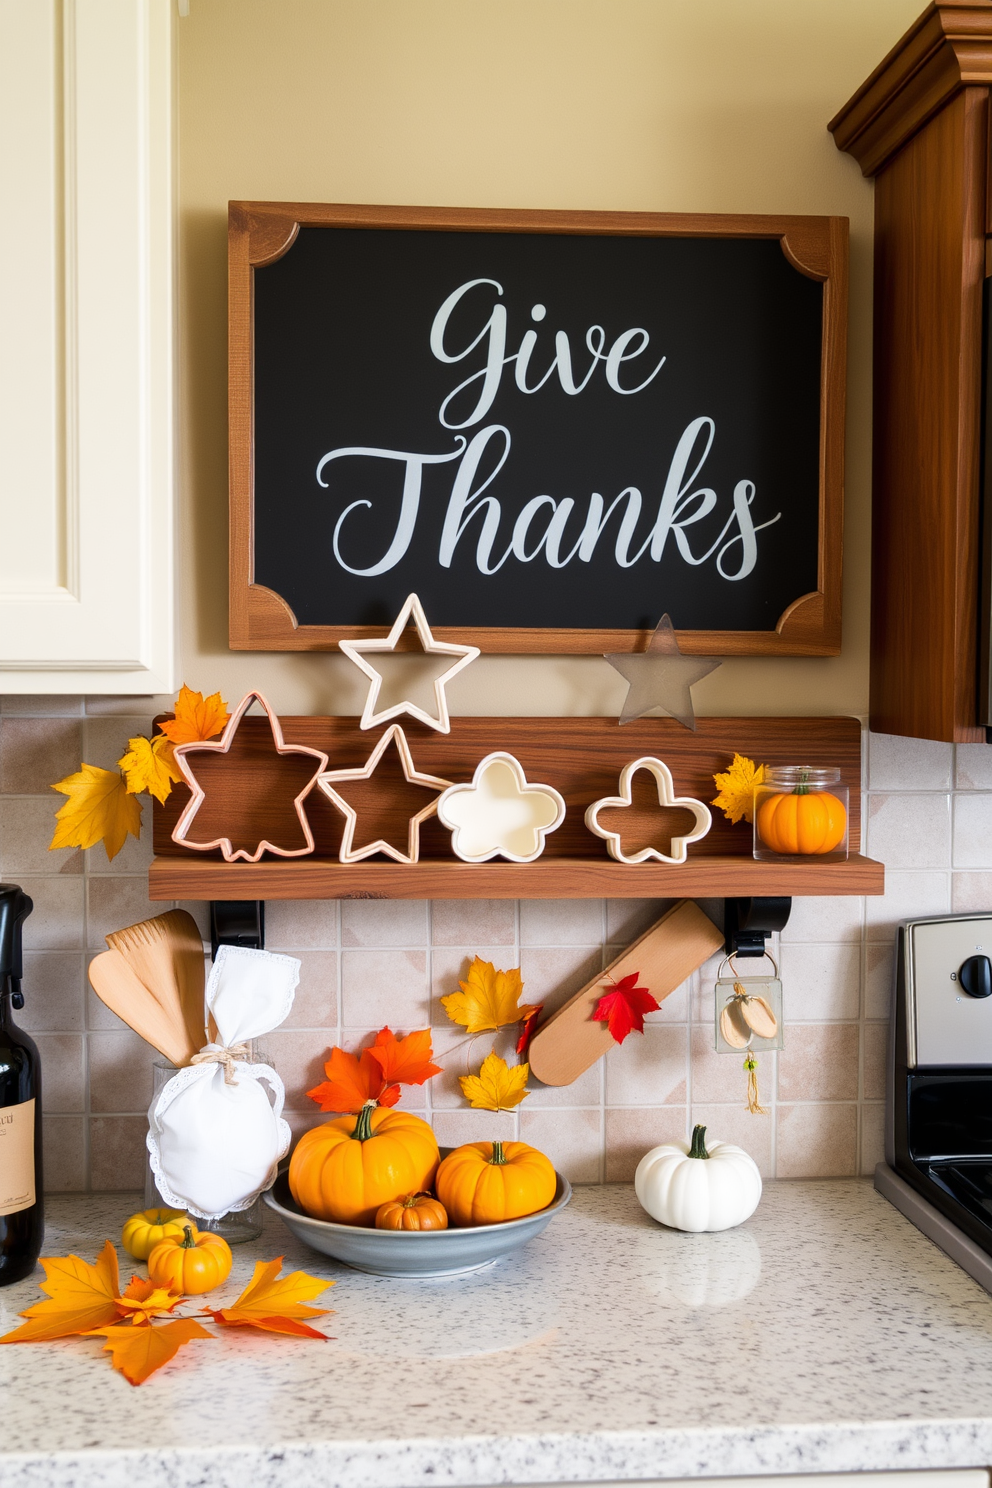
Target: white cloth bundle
214,1136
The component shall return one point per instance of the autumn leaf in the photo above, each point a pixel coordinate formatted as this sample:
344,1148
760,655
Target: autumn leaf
274,1303
142,1300
736,786
149,765
98,809
497,1086
622,1009
196,718
137,1351
406,1060
488,1000
527,1032
351,1083
83,1297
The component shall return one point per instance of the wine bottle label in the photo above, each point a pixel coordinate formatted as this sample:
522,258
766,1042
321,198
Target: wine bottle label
16,1157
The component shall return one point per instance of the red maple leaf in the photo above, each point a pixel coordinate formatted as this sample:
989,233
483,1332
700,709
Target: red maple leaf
623,1008
527,1032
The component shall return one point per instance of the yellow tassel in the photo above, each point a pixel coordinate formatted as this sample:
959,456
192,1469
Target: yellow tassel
753,1103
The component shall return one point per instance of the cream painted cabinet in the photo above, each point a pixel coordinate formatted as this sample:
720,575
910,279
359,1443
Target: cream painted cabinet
86,346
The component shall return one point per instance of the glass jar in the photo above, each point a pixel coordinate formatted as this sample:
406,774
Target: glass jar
748,1009
235,1226
801,815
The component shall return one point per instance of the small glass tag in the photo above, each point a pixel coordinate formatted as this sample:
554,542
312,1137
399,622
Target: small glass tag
748,1010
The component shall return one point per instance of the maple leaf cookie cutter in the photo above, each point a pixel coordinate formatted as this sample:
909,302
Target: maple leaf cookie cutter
666,797
222,745
492,815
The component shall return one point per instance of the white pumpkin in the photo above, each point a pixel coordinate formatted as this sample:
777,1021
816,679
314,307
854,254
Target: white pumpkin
688,1187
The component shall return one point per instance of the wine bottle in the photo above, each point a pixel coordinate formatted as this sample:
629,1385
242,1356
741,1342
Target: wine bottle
22,1215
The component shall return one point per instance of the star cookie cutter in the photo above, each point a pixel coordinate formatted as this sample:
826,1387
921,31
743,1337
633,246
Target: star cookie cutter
666,797
500,813
347,853
355,651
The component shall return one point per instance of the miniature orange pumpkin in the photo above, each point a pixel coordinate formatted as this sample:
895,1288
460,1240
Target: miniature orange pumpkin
195,1261
143,1231
345,1170
414,1212
489,1182
802,821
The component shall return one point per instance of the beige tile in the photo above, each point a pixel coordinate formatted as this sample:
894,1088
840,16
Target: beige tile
465,922
971,893
53,993
561,922
973,830
64,1154
379,987
633,1131
821,982
56,922
875,1048
26,827
879,964
872,1137
114,904
648,1069
63,1072
459,1055
453,1128
574,1144
299,1060
40,706
819,1062
893,761
552,975
736,1124
117,1152
377,923
120,1072
35,752
626,919
825,917
316,1002
973,767
105,740
817,1141
123,706
450,966
718,1078
587,1090
909,831
297,924
908,896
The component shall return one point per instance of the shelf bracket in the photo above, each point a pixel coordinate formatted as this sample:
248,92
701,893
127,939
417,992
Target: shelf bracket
747,923
237,922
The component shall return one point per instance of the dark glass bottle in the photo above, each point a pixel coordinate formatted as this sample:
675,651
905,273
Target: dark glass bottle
22,1214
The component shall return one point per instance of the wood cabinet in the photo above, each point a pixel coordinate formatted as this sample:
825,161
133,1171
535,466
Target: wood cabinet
920,126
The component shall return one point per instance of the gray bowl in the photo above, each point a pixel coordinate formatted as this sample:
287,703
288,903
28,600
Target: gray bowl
412,1252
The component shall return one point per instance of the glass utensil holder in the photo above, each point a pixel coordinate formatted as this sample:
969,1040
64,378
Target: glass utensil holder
801,815
234,1227
748,1010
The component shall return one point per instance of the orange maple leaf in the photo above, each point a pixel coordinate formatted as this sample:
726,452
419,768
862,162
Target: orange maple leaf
142,1300
406,1060
138,1349
83,1297
196,717
274,1303
351,1083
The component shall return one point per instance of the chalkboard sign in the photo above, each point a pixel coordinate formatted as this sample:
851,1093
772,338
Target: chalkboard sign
552,427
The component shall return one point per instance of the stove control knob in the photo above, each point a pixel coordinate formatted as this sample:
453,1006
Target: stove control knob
975,976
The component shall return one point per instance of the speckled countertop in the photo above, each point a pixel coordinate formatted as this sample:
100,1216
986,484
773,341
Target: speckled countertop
825,1335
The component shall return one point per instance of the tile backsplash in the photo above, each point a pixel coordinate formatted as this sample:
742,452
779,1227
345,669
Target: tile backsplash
928,816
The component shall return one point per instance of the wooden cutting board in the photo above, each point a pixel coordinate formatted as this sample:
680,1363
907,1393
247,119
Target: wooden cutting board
663,957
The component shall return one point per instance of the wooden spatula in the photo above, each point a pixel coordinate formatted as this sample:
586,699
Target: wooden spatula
166,955
114,982
663,957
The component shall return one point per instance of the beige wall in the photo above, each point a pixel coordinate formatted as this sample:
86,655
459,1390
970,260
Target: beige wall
650,105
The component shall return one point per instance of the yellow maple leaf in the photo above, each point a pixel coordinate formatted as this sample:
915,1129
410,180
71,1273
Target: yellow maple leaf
98,809
274,1303
488,1000
83,1297
498,1086
196,717
737,786
137,1351
149,765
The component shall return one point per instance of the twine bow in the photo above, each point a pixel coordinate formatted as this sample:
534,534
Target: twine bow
219,1054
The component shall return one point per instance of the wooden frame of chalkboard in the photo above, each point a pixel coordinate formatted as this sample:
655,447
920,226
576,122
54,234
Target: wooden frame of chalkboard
288,336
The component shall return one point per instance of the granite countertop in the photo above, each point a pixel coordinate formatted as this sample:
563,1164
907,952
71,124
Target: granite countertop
825,1335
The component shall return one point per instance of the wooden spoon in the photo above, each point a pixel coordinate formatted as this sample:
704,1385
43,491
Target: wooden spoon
116,984
166,955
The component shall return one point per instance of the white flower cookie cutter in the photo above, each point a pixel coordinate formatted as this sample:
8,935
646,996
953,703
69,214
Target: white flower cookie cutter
500,813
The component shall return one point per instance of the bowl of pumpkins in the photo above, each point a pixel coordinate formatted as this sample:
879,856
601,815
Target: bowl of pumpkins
375,1191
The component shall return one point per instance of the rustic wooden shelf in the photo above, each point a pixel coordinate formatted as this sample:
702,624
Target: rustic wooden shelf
548,878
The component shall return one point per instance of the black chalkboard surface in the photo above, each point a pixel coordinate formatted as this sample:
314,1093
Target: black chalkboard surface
550,436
